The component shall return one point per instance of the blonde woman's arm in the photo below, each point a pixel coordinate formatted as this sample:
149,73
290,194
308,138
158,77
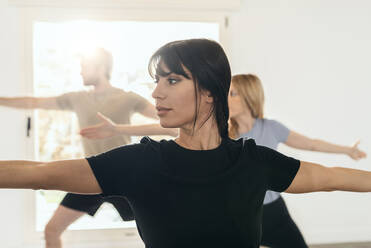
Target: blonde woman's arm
300,141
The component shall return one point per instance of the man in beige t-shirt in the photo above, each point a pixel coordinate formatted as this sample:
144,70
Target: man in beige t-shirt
114,103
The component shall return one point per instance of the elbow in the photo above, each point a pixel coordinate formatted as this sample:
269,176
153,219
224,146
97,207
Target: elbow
323,187
42,181
328,189
322,179
45,184
328,183
39,185
312,145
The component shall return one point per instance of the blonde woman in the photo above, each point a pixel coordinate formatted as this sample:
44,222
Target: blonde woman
246,108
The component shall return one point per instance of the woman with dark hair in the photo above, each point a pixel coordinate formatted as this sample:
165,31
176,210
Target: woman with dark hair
202,189
246,108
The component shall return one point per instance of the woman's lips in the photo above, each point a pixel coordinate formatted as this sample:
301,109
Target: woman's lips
161,111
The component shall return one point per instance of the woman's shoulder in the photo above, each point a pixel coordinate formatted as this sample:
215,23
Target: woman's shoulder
141,150
267,121
246,145
273,124
251,149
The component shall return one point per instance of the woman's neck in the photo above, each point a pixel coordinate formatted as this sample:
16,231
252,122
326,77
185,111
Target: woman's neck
245,123
203,138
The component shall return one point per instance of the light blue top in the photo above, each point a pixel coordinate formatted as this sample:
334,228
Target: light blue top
268,133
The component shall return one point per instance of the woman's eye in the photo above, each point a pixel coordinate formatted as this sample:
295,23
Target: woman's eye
172,80
156,80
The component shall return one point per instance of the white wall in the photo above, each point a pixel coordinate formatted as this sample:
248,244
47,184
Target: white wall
314,60
14,204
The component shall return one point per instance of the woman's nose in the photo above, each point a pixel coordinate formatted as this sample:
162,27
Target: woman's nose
158,91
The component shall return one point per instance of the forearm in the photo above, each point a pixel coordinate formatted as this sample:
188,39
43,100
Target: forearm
18,102
142,130
18,162
345,179
18,175
67,175
323,146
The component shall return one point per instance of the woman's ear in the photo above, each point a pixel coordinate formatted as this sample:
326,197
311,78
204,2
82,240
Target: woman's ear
208,97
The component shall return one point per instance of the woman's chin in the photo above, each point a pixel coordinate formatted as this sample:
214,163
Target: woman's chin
166,124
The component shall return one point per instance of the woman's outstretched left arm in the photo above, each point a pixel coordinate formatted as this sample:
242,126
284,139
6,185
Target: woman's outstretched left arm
66,175
314,177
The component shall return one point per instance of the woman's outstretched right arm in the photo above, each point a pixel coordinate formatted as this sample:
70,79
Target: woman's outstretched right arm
67,175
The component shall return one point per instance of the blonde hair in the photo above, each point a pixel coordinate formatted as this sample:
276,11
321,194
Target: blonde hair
250,89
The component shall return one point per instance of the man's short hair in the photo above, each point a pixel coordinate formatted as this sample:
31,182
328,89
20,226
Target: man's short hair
100,56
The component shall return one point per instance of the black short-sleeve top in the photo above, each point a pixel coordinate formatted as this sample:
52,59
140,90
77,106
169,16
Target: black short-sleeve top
195,198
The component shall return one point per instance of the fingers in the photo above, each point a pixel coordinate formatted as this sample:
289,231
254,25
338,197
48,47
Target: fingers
88,136
91,134
358,154
88,130
94,128
363,154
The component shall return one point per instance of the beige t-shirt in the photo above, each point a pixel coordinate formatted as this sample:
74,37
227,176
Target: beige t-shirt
114,103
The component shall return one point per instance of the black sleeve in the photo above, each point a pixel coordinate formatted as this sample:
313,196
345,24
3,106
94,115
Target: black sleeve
279,170
115,170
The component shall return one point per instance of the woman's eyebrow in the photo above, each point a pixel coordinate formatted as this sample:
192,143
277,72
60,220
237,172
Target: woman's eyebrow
163,73
174,74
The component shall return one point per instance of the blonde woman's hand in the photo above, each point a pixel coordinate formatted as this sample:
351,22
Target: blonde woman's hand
106,129
355,153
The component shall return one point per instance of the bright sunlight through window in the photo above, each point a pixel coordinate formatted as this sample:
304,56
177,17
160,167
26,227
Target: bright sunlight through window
56,51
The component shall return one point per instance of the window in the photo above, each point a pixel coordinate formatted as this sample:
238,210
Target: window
56,50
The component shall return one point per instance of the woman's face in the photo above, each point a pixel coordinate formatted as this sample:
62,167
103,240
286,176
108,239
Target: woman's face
235,104
175,99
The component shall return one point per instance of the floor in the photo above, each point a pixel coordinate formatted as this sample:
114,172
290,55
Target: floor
345,245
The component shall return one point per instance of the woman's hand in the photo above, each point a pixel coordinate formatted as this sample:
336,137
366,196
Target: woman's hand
106,129
355,153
